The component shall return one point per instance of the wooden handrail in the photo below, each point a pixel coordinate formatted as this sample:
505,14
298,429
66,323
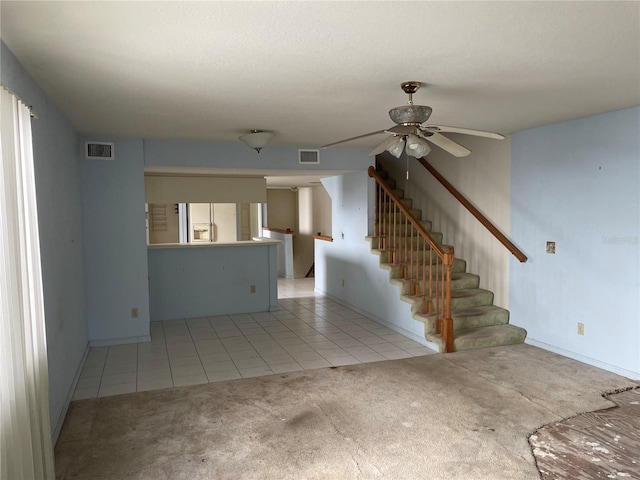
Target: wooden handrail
474,211
423,264
288,231
432,243
325,238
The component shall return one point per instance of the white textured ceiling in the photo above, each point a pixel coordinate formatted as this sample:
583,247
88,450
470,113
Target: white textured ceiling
317,72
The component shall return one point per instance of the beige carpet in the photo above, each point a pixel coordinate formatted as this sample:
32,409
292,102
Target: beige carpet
465,415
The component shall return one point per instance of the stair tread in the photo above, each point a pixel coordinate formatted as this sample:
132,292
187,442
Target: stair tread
468,292
459,265
485,337
476,311
485,331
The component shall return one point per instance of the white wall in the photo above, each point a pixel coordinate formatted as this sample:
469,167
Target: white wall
284,252
578,183
224,218
484,179
56,150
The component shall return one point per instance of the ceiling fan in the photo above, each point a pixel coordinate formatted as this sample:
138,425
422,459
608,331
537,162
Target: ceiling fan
412,134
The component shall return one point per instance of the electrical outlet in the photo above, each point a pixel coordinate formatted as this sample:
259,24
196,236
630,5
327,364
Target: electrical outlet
134,312
252,289
580,328
551,247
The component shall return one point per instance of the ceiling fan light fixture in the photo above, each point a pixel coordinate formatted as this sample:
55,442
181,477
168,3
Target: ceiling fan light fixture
396,146
417,146
410,131
393,144
257,139
412,114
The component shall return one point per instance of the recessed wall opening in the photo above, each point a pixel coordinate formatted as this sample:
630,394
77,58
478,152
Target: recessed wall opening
202,222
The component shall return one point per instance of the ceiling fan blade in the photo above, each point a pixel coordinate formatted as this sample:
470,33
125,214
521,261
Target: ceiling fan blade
353,138
466,131
402,129
381,148
448,145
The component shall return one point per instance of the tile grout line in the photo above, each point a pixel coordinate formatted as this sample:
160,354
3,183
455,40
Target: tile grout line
299,317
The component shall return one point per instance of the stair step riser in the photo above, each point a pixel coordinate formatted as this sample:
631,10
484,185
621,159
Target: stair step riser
398,192
481,299
415,256
475,321
416,212
407,202
400,241
459,266
510,335
398,234
466,282
490,317
399,228
495,340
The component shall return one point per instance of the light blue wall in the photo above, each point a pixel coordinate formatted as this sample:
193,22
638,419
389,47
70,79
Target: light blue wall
203,281
55,148
347,271
115,244
210,155
578,183
114,225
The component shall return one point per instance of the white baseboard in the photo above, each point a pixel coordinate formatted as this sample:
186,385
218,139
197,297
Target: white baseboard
630,374
392,326
119,341
60,421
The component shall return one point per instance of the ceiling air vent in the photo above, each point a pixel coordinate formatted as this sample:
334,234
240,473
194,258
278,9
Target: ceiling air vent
99,151
309,157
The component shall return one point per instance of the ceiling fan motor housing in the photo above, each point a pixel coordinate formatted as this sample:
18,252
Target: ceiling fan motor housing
412,114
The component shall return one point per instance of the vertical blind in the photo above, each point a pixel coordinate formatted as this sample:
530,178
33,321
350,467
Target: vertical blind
26,449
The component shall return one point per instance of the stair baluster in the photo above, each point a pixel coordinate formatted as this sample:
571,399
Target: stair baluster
399,233
437,286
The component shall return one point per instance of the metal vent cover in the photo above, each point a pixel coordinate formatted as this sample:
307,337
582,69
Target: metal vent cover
309,157
99,151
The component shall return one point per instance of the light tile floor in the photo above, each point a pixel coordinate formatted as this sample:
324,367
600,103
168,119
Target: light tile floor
309,331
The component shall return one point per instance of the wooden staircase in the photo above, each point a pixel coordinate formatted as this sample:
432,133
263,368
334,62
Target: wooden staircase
476,321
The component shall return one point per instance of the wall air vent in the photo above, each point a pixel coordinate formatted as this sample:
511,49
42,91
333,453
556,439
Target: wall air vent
309,157
99,151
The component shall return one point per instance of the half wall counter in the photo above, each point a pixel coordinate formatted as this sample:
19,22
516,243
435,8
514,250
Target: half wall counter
202,280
